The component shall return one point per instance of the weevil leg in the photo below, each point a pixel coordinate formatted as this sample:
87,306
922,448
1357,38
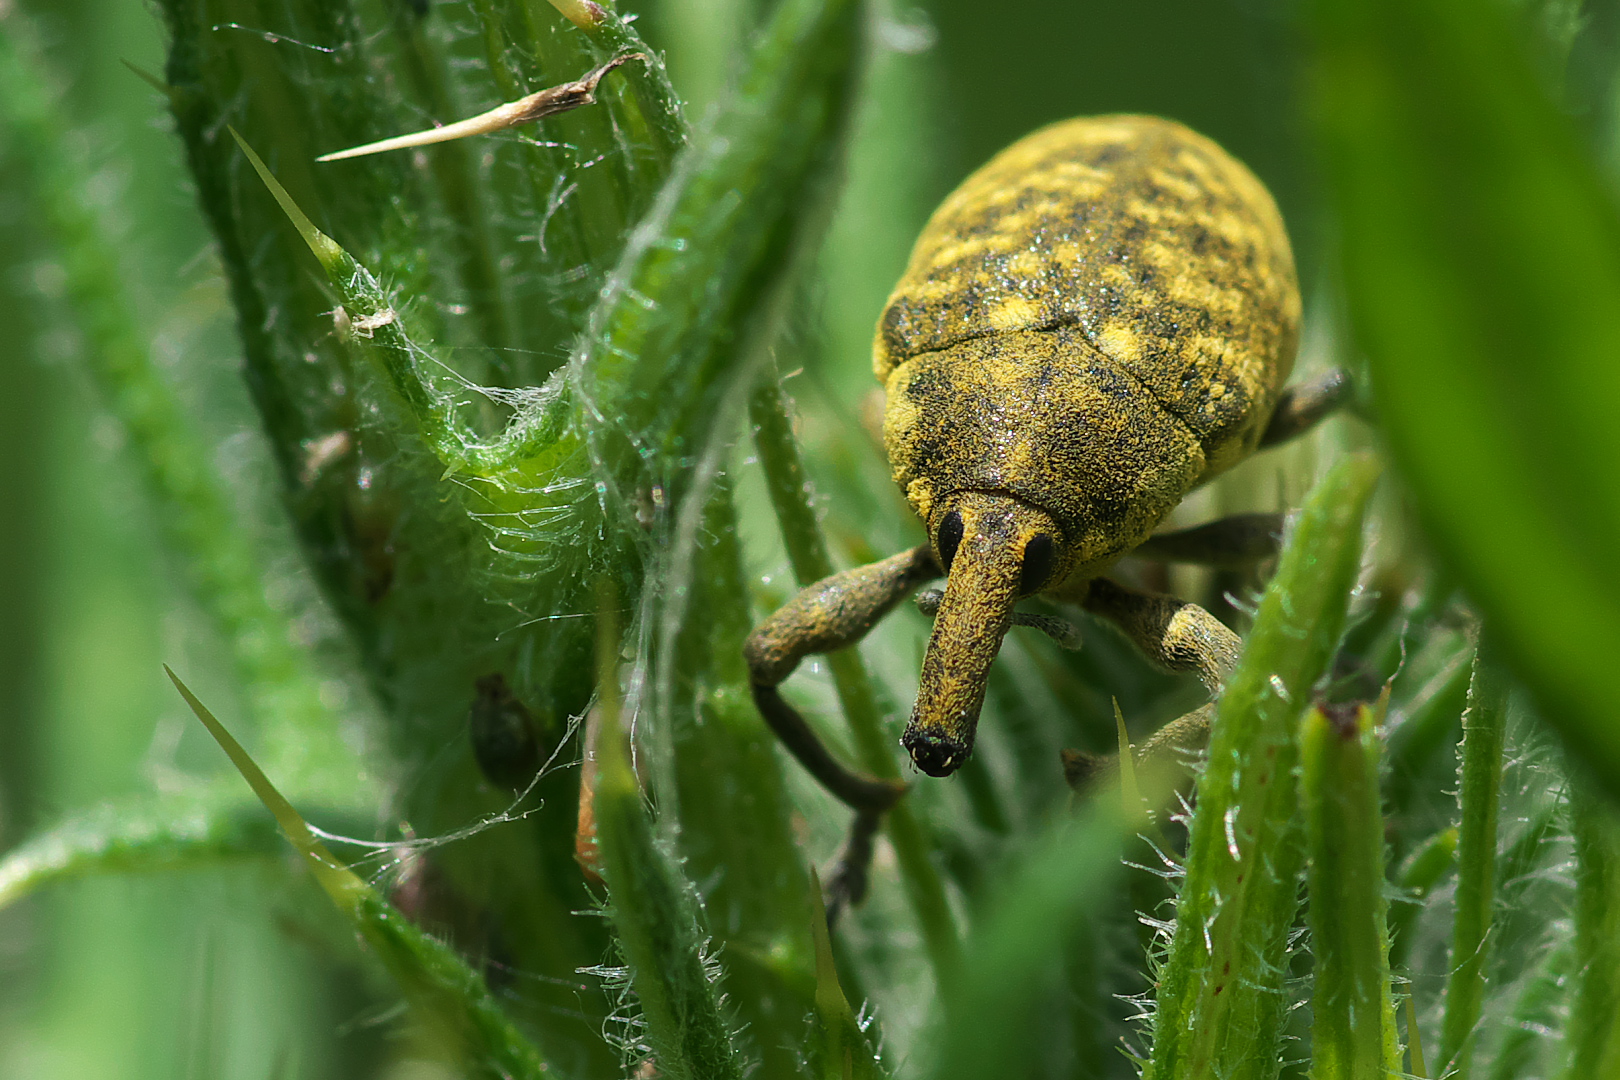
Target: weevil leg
1185,734
832,614
829,615
846,885
1176,635
1301,406
1231,543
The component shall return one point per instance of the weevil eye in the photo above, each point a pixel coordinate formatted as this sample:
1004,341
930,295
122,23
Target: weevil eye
950,537
1038,555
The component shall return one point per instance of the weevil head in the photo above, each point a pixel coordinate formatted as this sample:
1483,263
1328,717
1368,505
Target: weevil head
1045,419
1034,461
996,549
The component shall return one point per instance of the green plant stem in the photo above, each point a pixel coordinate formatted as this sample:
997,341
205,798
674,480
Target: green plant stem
1352,1012
653,912
987,1024
1594,1024
807,552
1220,1000
199,523
447,994
1536,1015
1419,875
148,836
707,726
703,275
1478,797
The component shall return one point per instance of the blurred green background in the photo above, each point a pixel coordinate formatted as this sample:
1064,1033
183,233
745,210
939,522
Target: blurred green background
190,973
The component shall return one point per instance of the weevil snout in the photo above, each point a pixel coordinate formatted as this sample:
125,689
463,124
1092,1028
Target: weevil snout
995,549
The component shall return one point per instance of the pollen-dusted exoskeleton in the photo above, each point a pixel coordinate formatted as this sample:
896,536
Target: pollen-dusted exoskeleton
1095,323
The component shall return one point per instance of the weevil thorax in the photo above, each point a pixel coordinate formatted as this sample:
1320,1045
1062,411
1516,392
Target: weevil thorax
1093,324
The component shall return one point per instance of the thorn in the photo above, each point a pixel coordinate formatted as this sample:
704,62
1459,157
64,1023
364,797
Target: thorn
151,80
537,106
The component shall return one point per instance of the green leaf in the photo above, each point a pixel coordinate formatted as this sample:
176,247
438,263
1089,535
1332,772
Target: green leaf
654,913
368,321
1481,262
145,836
1478,799
700,289
1594,1025
448,995
1220,1000
1352,1013
844,1052
989,1022
1418,876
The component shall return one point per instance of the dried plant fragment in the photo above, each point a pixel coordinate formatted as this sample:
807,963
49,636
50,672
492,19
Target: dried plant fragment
582,13
537,106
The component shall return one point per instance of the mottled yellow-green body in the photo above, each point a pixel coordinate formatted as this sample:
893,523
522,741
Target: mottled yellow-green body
1095,322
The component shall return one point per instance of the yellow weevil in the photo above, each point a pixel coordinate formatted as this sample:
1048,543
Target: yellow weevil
1096,322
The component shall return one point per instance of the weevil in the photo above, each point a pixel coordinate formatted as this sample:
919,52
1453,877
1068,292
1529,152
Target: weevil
1098,321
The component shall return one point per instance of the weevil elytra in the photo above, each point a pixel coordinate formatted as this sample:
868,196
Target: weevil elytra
1096,322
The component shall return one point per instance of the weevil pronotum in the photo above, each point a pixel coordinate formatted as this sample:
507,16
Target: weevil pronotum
1096,322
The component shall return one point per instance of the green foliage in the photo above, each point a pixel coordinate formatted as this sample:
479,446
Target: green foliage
153,835
1012,957
1482,261
1478,798
447,993
843,1050
1352,1014
1220,1001
502,412
1596,1043
657,926
222,561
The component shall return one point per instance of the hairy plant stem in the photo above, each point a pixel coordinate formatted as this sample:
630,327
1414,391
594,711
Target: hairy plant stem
221,561
1220,1000
151,835
653,910
793,502
1478,799
1594,1023
1352,1012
